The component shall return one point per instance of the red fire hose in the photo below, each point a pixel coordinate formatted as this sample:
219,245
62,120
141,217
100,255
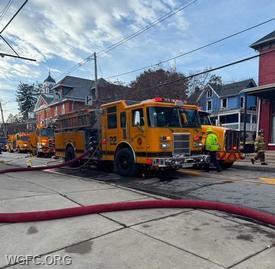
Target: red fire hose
35,168
101,208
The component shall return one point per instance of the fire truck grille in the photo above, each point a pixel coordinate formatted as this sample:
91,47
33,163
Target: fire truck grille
182,144
232,140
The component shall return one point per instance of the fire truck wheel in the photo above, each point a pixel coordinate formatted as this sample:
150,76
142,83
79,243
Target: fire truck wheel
70,155
226,165
125,163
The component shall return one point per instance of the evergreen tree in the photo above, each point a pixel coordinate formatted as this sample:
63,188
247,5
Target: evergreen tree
26,97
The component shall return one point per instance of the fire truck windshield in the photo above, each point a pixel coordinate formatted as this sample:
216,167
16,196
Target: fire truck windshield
24,138
190,118
47,132
204,118
163,117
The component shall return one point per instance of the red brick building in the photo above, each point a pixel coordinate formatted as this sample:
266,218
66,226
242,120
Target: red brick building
266,89
69,94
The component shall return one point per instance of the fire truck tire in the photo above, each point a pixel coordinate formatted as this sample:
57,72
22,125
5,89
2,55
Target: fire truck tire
226,165
70,155
125,163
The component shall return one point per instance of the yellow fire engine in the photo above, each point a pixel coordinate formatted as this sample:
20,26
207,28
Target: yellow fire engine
18,142
42,141
229,141
157,134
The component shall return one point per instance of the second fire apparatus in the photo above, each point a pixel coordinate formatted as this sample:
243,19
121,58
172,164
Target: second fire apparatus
156,134
229,141
42,141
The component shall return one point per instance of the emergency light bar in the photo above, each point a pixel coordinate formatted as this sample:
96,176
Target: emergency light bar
177,102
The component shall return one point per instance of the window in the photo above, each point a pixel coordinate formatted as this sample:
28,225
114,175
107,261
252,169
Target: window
224,103
55,111
123,119
111,117
247,118
209,93
254,119
233,118
137,117
63,108
163,117
190,118
93,94
242,101
209,105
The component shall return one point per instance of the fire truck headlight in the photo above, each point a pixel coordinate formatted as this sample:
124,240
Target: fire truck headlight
43,144
164,145
197,144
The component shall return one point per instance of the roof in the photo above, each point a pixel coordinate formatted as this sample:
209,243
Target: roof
47,97
193,98
49,79
268,39
232,89
264,91
79,87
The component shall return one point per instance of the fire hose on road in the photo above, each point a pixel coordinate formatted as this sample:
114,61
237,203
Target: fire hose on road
149,204
121,206
45,167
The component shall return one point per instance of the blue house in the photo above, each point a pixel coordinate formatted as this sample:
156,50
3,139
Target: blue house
225,103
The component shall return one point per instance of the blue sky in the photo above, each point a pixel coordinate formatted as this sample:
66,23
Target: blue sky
61,33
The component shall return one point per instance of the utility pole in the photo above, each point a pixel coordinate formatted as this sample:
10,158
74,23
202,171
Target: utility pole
96,88
3,121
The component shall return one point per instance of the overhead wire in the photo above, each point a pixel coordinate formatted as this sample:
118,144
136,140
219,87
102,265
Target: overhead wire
193,50
131,36
166,83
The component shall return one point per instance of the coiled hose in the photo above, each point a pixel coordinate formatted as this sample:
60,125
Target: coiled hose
149,204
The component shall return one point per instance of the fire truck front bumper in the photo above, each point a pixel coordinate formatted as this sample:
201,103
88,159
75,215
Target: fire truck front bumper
179,161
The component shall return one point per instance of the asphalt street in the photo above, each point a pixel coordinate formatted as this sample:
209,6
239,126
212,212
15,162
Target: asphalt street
154,238
254,189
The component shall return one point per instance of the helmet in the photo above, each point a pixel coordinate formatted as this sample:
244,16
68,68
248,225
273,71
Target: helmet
261,131
209,130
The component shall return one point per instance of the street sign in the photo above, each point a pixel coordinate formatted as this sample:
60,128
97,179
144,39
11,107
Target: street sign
89,100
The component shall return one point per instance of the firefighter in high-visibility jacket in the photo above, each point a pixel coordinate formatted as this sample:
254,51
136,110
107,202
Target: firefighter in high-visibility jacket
212,147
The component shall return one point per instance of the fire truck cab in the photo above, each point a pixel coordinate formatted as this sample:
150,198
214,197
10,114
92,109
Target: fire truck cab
19,142
156,134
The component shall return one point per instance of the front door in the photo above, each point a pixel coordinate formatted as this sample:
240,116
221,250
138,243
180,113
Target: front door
137,131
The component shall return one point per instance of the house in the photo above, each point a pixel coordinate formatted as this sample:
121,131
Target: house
225,103
266,89
70,94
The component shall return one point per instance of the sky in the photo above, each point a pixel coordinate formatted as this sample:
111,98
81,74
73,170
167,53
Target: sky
59,34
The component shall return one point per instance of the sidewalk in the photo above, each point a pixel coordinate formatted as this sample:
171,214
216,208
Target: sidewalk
254,167
161,238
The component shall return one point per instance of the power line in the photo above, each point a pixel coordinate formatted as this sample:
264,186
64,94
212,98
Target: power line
12,18
4,28
209,70
193,50
15,56
133,35
149,26
5,9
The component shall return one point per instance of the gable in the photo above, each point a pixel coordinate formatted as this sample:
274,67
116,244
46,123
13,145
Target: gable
205,90
40,103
